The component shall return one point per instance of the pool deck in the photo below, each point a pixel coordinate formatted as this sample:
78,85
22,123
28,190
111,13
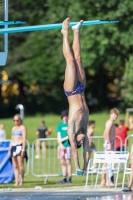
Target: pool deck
66,193
75,189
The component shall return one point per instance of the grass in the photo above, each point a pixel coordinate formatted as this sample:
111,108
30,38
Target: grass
51,122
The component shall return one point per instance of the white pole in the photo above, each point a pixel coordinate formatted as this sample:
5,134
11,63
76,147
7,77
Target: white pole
21,108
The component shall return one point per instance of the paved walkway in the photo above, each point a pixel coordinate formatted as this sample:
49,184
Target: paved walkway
69,189
67,193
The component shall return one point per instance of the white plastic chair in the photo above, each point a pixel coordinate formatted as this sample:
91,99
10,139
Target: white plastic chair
111,158
127,170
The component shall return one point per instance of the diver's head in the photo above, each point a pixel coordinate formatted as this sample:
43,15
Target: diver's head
80,137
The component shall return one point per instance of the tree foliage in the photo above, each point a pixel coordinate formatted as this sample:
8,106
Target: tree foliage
35,59
127,83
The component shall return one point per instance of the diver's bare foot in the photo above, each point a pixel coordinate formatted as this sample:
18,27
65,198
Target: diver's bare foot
65,25
77,26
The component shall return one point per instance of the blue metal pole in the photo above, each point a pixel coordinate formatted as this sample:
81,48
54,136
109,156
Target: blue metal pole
3,23
52,26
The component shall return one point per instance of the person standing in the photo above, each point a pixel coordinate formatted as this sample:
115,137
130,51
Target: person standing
109,139
121,132
42,133
2,132
64,150
74,86
90,133
17,150
129,188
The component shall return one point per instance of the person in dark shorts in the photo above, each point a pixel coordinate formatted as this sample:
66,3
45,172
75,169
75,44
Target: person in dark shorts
17,149
42,133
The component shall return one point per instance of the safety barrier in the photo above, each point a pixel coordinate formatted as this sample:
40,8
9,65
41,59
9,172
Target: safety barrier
128,142
50,165
99,140
27,164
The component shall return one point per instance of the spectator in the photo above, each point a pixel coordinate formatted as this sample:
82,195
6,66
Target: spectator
90,134
42,133
64,151
128,189
2,132
109,138
17,149
121,132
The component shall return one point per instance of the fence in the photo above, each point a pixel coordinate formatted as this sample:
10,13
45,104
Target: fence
99,140
129,142
27,165
50,165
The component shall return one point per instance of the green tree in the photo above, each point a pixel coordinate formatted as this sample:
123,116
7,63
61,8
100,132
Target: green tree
35,58
127,83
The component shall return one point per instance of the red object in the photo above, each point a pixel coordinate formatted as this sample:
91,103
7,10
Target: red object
122,133
50,131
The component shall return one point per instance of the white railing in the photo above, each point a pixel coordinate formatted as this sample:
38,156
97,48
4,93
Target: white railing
128,142
50,165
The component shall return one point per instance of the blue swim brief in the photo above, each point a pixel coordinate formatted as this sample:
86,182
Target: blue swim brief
79,89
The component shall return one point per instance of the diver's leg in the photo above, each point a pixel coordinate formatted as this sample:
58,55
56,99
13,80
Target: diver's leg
72,139
86,153
77,53
70,72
